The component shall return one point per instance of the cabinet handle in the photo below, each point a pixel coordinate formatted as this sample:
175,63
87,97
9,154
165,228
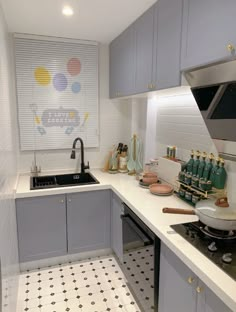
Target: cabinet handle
190,280
69,200
62,201
230,48
199,289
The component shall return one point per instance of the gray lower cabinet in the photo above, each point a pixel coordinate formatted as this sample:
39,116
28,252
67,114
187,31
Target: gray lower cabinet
208,31
181,290
41,223
116,226
88,221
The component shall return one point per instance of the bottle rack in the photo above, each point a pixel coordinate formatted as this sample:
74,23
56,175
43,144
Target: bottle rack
214,192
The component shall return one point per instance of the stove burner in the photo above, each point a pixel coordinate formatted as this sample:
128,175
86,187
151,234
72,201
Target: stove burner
219,234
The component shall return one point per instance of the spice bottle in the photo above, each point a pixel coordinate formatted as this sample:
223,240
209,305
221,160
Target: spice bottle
220,176
202,165
190,162
208,167
196,163
214,170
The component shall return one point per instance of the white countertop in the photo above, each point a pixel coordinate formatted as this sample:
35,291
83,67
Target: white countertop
149,208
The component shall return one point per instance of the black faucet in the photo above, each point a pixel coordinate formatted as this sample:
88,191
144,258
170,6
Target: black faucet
83,167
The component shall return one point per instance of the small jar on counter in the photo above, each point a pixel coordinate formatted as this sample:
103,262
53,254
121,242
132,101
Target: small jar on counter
188,195
182,191
195,198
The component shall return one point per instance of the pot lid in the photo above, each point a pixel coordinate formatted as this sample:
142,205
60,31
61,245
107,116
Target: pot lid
209,208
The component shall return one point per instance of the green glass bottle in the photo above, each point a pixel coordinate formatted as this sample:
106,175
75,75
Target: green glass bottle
190,163
208,167
221,175
196,163
202,165
214,170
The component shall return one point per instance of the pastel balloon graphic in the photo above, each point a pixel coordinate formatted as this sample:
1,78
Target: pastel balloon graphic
42,76
60,82
76,87
74,66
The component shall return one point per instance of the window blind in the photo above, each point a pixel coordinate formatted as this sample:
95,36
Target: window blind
57,93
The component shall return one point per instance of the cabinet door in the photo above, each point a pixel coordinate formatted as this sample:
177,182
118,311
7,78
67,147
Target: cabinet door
88,221
208,301
144,27
167,38
116,227
41,223
208,28
177,284
122,70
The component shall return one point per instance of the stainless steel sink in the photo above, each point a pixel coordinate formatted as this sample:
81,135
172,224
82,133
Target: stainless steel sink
62,180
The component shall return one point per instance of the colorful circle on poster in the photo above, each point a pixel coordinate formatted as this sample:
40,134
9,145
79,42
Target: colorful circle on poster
74,66
42,76
60,82
76,87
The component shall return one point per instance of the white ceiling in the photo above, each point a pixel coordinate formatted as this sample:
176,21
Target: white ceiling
99,20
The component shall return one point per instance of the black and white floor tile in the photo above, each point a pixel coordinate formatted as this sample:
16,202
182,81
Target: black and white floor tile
92,285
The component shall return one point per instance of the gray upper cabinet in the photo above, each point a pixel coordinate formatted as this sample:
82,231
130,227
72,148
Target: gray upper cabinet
167,39
208,31
116,227
144,27
155,41
122,60
41,223
181,290
88,221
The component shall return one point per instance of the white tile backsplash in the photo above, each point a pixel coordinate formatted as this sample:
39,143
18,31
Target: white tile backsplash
177,121
8,237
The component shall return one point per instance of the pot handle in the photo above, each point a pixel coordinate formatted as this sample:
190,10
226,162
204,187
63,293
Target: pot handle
222,202
178,211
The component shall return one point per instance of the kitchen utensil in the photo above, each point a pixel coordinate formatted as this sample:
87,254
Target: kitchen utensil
132,155
138,165
161,189
217,215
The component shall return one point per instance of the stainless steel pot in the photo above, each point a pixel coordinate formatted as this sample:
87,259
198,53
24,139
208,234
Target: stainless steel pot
218,215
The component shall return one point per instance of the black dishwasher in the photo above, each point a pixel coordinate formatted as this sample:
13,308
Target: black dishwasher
141,258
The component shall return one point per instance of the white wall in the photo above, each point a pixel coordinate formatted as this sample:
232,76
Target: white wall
174,119
115,127
8,238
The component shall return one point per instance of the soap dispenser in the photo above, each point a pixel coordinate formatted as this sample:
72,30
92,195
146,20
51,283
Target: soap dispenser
196,163
214,170
208,167
202,165
190,163
220,176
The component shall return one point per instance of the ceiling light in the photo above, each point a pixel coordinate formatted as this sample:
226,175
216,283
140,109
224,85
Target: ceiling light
67,10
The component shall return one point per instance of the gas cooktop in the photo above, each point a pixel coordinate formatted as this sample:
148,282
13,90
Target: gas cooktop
219,247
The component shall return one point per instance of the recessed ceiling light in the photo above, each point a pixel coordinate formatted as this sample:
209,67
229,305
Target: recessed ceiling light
67,10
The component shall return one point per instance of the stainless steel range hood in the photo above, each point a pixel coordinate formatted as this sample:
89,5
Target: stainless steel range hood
214,89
